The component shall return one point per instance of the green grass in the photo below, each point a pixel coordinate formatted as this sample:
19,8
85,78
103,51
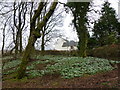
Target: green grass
67,67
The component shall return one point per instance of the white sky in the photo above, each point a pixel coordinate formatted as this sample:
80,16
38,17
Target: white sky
67,29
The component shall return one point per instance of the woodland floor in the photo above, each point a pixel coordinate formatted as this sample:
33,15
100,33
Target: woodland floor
101,80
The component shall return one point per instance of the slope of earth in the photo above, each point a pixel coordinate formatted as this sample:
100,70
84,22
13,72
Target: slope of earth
62,72
101,80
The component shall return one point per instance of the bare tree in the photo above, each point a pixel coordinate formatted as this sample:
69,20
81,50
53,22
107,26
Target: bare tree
34,34
19,15
5,15
49,29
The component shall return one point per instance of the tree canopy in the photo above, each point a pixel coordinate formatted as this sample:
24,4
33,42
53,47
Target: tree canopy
106,28
79,11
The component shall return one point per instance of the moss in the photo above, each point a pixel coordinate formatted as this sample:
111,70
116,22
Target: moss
105,83
37,33
83,43
27,54
55,83
34,34
10,77
81,27
25,79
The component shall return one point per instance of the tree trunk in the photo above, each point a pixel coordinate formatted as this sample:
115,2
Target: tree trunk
3,40
82,35
34,34
16,44
80,19
30,46
42,44
27,54
83,43
20,41
20,30
3,46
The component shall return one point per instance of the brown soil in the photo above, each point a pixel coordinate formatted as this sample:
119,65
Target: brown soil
41,66
8,60
101,80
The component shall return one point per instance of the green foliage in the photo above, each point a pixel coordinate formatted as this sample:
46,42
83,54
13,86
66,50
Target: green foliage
10,71
67,67
111,39
6,57
48,58
106,28
79,11
15,63
75,67
105,83
11,64
35,73
106,51
92,43
32,65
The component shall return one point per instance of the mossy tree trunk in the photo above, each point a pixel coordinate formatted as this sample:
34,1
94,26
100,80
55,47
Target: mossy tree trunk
79,11
43,44
34,34
16,45
26,56
83,42
82,36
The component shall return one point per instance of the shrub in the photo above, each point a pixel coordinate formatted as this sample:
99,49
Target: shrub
56,52
106,51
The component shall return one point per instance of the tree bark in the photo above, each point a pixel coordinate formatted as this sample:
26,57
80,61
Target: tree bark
20,41
22,9
3,39
80,26
26,56
83,42
43,44
16,44
34,34
17,35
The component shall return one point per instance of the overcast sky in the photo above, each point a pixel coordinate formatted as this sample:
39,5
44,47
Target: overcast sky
68,29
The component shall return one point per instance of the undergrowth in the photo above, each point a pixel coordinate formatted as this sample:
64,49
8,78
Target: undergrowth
67,67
